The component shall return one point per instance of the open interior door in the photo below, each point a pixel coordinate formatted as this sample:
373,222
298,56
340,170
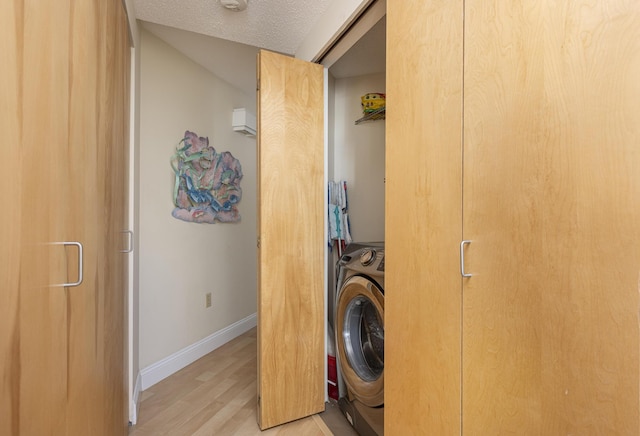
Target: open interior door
290,239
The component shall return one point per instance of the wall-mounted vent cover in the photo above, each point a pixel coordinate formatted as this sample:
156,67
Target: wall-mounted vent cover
244,122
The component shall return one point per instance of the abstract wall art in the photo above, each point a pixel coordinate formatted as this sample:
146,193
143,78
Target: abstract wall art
207,183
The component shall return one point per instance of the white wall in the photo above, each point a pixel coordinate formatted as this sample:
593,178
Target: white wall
179,262
358,156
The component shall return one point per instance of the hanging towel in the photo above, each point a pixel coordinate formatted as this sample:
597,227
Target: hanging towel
339,230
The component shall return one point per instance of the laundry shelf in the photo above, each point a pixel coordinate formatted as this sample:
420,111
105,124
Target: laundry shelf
372,116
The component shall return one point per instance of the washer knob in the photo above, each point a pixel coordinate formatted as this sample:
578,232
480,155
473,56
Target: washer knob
367,257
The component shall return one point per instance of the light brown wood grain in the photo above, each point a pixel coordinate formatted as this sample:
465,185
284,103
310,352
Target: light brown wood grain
550,316
291,235
503,164
68,69
115,64
423,217
42,378
551,161
10,230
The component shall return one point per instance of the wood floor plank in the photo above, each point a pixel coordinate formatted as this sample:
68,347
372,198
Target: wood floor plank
226,414
216,395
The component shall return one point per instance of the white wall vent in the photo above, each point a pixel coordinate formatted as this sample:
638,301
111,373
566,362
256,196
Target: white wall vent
244,122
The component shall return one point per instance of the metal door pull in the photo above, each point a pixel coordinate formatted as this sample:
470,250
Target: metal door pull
130,249
80,266
462,244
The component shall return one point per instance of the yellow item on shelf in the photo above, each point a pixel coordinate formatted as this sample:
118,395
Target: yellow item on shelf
372,101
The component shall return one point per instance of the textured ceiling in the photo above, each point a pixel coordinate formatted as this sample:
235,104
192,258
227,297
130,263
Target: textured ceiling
226,42
278,25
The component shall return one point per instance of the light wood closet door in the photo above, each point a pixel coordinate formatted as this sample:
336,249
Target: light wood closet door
551,204
65,91
423,217
291,239
550,168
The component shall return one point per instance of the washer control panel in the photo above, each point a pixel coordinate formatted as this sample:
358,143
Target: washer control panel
381,264
368,260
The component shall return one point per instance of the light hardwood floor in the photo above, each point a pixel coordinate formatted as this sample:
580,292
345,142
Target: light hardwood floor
216,395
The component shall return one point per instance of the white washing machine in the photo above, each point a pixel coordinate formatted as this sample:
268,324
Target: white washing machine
359,330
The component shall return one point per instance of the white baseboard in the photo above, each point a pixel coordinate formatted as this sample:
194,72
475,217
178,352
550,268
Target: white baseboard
162,369
134,407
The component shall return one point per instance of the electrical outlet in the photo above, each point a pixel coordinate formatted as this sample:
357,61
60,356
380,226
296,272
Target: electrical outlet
207,300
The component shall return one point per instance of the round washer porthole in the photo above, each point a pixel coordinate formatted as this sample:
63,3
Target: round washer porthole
360,339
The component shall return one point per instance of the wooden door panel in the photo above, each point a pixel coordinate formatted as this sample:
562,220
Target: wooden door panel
97,159
84,149
502,158
291,239
10,230
423,217
113,134
59,102
44,134
551,159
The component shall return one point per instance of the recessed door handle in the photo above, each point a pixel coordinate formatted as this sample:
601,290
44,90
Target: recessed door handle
462,244
80,265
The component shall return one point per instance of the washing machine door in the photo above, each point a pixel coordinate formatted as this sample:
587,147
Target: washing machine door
360,339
